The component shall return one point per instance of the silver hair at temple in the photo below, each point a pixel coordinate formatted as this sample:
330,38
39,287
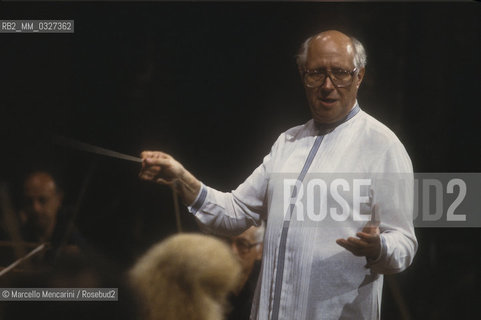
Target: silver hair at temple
360,57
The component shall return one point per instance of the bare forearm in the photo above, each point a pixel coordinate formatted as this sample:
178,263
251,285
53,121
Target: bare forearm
187,186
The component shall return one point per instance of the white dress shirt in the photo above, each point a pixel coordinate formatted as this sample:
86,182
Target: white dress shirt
304,269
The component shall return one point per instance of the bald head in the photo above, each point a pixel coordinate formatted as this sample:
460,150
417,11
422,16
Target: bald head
334,36
350,44
38,181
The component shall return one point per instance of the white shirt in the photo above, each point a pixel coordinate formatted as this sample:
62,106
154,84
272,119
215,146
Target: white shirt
320,279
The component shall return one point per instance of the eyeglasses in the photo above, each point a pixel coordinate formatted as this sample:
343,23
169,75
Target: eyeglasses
339,77
243,246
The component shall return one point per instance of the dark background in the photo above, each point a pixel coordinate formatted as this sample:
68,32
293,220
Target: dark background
214,84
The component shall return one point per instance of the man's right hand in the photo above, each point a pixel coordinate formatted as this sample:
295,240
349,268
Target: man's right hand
162,168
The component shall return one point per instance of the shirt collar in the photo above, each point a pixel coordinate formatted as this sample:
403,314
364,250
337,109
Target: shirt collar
323,129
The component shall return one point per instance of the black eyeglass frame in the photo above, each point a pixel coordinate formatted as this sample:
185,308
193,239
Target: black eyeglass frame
328,73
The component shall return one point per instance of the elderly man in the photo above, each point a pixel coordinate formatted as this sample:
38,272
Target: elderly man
326,265
247,247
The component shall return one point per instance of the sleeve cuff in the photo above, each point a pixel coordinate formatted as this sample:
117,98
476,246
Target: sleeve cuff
382,253
199,200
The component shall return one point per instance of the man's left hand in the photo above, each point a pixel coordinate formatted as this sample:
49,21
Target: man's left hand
368,243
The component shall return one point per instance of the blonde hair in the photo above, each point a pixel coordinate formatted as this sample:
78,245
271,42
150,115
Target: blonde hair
186,276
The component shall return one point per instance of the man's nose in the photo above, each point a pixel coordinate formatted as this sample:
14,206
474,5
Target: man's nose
327,84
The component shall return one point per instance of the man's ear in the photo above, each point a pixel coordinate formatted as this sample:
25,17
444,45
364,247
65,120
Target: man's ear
359,77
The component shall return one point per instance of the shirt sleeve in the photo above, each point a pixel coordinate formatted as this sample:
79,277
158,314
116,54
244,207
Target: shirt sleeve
231,213
393,192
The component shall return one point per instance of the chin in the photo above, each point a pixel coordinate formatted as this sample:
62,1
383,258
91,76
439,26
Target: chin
325,117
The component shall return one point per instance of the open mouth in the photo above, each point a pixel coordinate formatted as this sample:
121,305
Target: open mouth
327,101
